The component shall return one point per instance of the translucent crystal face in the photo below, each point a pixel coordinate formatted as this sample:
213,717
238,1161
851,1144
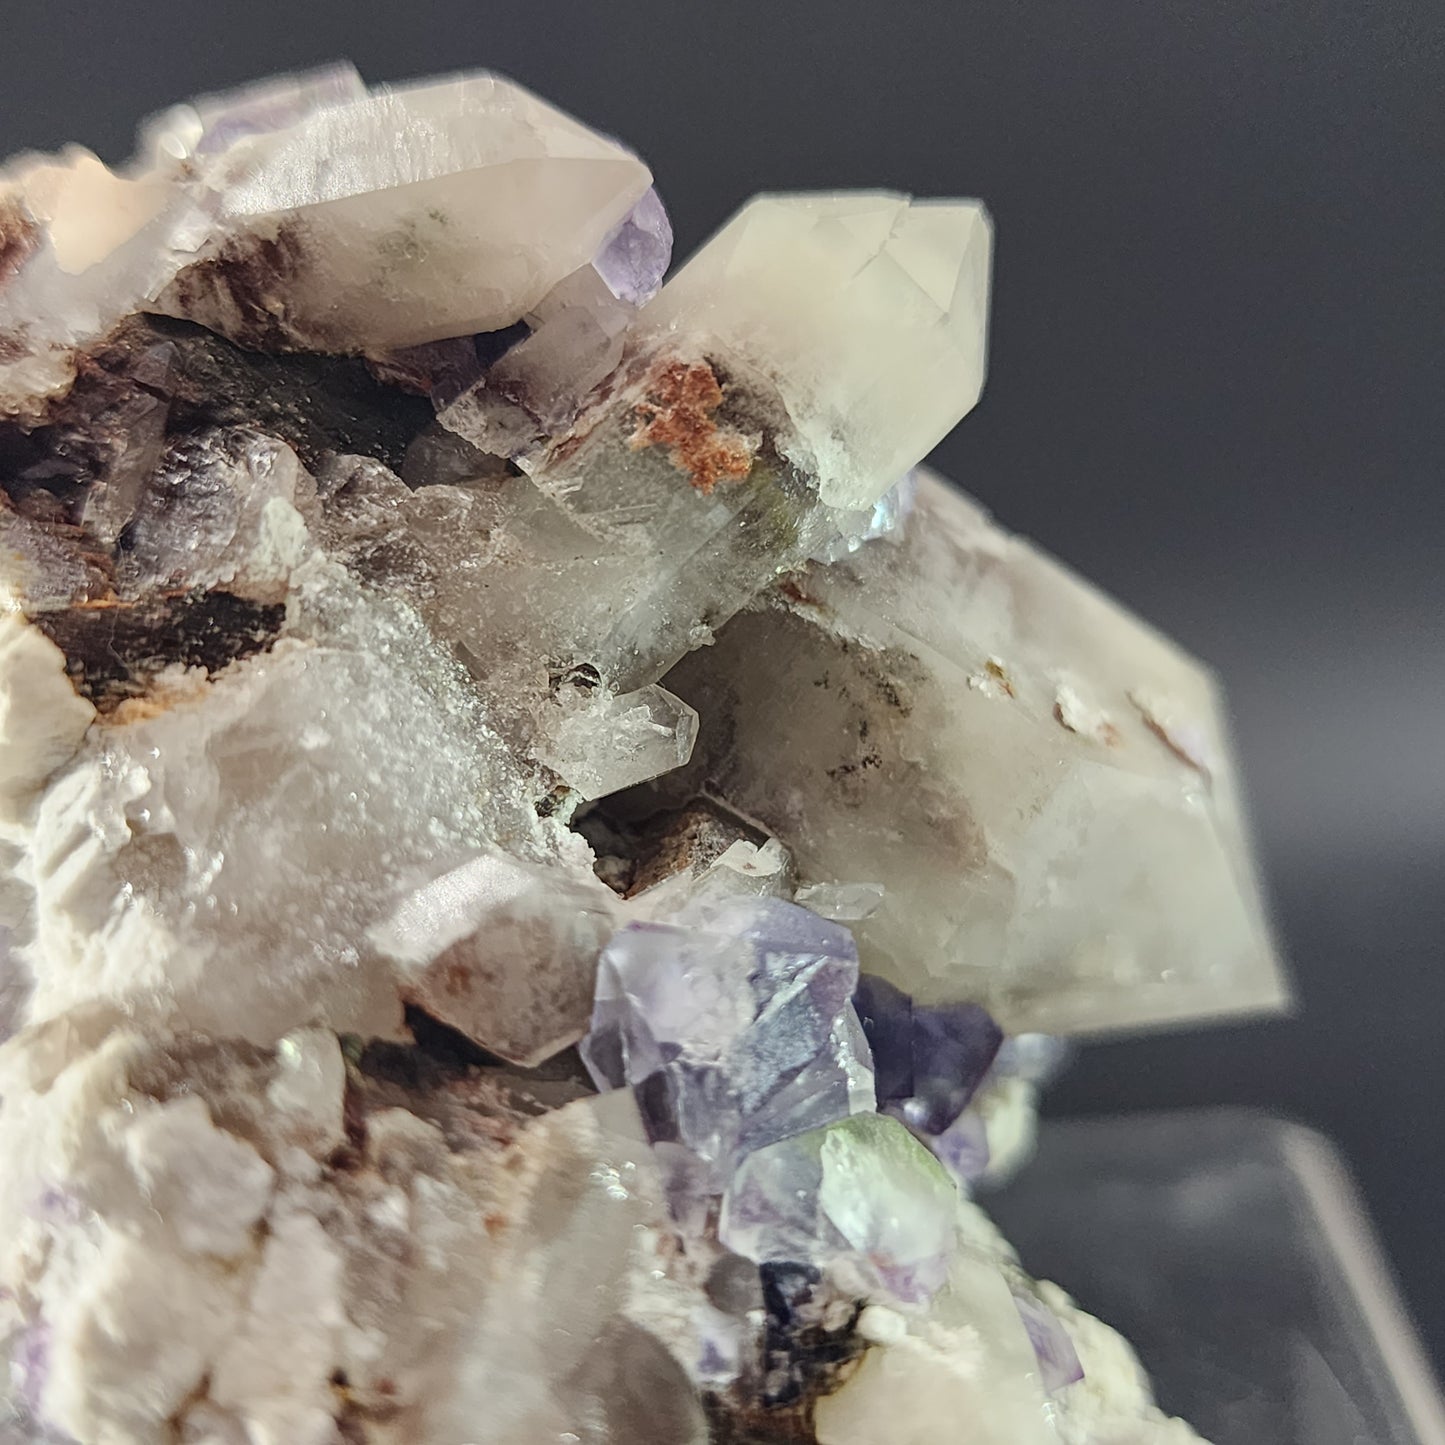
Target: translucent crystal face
525,816
1041,784
868,311
425,212
734,1026
861,1192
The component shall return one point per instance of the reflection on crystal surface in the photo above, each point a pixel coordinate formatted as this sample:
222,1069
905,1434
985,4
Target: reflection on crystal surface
860,1190
214,123
601,742
1165,1223
928,1062
446,182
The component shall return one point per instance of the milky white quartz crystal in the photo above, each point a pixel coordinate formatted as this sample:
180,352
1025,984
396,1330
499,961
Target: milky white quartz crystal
869,310
468,712
1038,780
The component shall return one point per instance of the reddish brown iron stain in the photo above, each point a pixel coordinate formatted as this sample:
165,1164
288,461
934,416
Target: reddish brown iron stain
792,589
1172,743
1106,733
19,237
678,413
996,671
245,284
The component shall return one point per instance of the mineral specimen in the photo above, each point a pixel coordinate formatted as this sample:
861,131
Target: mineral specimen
520,806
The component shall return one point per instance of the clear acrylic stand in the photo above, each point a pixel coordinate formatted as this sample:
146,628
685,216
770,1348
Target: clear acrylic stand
1232,1249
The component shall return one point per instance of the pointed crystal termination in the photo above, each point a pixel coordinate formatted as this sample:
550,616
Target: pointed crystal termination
751,416
407,216
308,214
502,951
659,514
867,310
320,654
602,742
1041,783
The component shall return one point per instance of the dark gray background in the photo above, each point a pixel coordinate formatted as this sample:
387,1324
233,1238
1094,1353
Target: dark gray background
1215,389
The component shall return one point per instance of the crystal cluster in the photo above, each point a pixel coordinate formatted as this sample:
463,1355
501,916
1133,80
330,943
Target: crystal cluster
542,859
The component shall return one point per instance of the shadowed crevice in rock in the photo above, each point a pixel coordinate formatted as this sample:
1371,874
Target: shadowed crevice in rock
114,650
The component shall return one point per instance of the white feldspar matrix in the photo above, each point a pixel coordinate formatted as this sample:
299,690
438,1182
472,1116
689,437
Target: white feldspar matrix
543,861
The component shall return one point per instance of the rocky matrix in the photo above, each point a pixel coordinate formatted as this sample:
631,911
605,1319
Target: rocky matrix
541,858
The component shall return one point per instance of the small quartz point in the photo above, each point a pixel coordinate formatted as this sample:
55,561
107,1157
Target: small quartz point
503,951
539,384
601,742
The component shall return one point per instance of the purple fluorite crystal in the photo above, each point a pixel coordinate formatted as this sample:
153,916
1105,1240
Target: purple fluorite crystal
1058,1360
734,1027
928,1062
962,1148
634,258
861,1196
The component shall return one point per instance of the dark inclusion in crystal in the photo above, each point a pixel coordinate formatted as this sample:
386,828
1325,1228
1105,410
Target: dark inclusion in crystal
801,1352
111,653
317,404
928,1062
81,493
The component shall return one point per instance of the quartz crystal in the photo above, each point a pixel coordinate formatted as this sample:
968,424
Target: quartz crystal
1040,782
410,215
469,709
867,310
